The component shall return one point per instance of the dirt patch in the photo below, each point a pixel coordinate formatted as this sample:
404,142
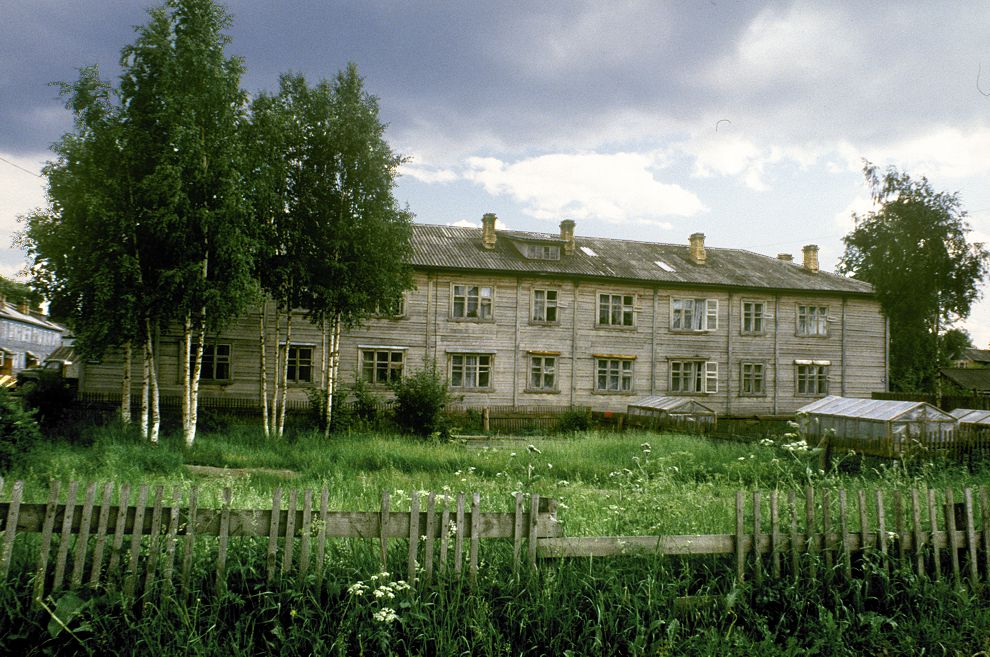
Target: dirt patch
210,471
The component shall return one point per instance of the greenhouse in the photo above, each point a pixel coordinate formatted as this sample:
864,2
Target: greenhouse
970,418
875,426
680,412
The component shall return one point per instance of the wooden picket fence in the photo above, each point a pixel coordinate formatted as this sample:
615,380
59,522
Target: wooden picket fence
90,548
934,537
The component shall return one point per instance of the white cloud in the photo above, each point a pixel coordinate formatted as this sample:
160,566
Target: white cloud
861,204
466,223
20,192
939,151
616,188
427,174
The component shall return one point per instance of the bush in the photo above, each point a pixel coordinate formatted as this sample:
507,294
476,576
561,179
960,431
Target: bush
574,420
50,395
420,403
18,430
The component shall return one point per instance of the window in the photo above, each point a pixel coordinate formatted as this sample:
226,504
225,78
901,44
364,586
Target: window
543,373
542,252
812,320
812,378
471,371
693,376
300,368
614,374
216,362
752,381
472,302
395,309
615,310
545,306
753,315
381,366
694,314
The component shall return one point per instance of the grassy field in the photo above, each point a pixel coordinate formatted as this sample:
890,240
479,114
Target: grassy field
607,484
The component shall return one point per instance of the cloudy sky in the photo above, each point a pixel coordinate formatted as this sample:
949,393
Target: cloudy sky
747,121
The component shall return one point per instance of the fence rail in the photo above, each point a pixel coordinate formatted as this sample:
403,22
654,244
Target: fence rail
87,533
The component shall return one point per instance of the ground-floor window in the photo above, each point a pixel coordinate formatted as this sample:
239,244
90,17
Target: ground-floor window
216,362
614,374
812,379
693,376
752,380
471,371
381,366
543,373
300,364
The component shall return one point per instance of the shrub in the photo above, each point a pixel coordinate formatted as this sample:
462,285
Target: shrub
420,402
18,430
49,395
575,419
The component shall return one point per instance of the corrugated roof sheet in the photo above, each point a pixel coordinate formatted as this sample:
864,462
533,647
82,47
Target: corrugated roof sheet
971,416
883,410
969,378
669,404
458,248
11,312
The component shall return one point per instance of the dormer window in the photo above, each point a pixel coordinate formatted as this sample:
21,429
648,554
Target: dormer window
540,251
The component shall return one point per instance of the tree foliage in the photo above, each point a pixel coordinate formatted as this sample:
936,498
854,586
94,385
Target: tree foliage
16,293
914,250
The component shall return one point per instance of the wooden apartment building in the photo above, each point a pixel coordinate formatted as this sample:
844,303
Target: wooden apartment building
521,318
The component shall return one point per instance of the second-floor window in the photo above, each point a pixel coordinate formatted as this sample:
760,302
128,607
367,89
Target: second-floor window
615,310
472,302
393,309
693,376
694,314
545,306
812,320
753,317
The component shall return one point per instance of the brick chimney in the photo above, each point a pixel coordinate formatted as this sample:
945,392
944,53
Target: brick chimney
786,257
567,235
810,257
24,307
698,248
488,230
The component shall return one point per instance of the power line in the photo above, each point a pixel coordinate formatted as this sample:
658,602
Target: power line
18,166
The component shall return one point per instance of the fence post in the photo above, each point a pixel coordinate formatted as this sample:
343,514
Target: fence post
13,513
740,529
383,530
933,523
950,528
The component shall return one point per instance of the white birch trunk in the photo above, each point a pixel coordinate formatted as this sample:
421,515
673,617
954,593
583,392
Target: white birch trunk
262,345
155,417
184,373
125,387
145,388
275,384
334,340
285,374
197,369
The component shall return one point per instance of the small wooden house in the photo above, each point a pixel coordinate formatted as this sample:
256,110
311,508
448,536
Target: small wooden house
876,427
672,412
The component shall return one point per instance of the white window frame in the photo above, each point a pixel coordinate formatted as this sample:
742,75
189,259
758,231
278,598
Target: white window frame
544,306
614,375
376,364
811,378
685,316
753,311
483,297
542,366
752,373
693,376
294,363
811,321
469,368
625,304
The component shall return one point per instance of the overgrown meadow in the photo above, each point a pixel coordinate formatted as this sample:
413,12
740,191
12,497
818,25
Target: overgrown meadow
606,484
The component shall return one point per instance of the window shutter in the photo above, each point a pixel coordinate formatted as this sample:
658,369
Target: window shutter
711,314
711,376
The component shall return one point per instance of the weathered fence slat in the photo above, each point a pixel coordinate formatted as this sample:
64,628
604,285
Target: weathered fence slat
223,539
82,541
321,541
985,524
757,538
950,527
812,530
795,548
970,536
476,536
774,535
136,534
827,532
919,536
413,536
444,534
305,537
431,528
882,530
187,548
383,531
933,524
171,538
64,537
534,507
290,532
459,537
101,535
10,531
46,541
517,532
271,555
154,544
740,528
900,528
118,531
866,538
844,528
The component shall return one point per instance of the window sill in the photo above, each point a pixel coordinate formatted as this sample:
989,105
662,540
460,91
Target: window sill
536,322
681,393
471,320
753,395
613,327
817,336
753,334
542,391
472,389
693,331
626,393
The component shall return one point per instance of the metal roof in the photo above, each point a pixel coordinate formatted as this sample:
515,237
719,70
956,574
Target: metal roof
11,312
669,404
459,248
968,378
882,410
971,416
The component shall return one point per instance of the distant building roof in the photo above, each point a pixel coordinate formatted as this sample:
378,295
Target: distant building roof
968,378
12,312
977,355
458,248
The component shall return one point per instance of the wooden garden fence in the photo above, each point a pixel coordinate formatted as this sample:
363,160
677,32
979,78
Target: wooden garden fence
934,533
150,540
